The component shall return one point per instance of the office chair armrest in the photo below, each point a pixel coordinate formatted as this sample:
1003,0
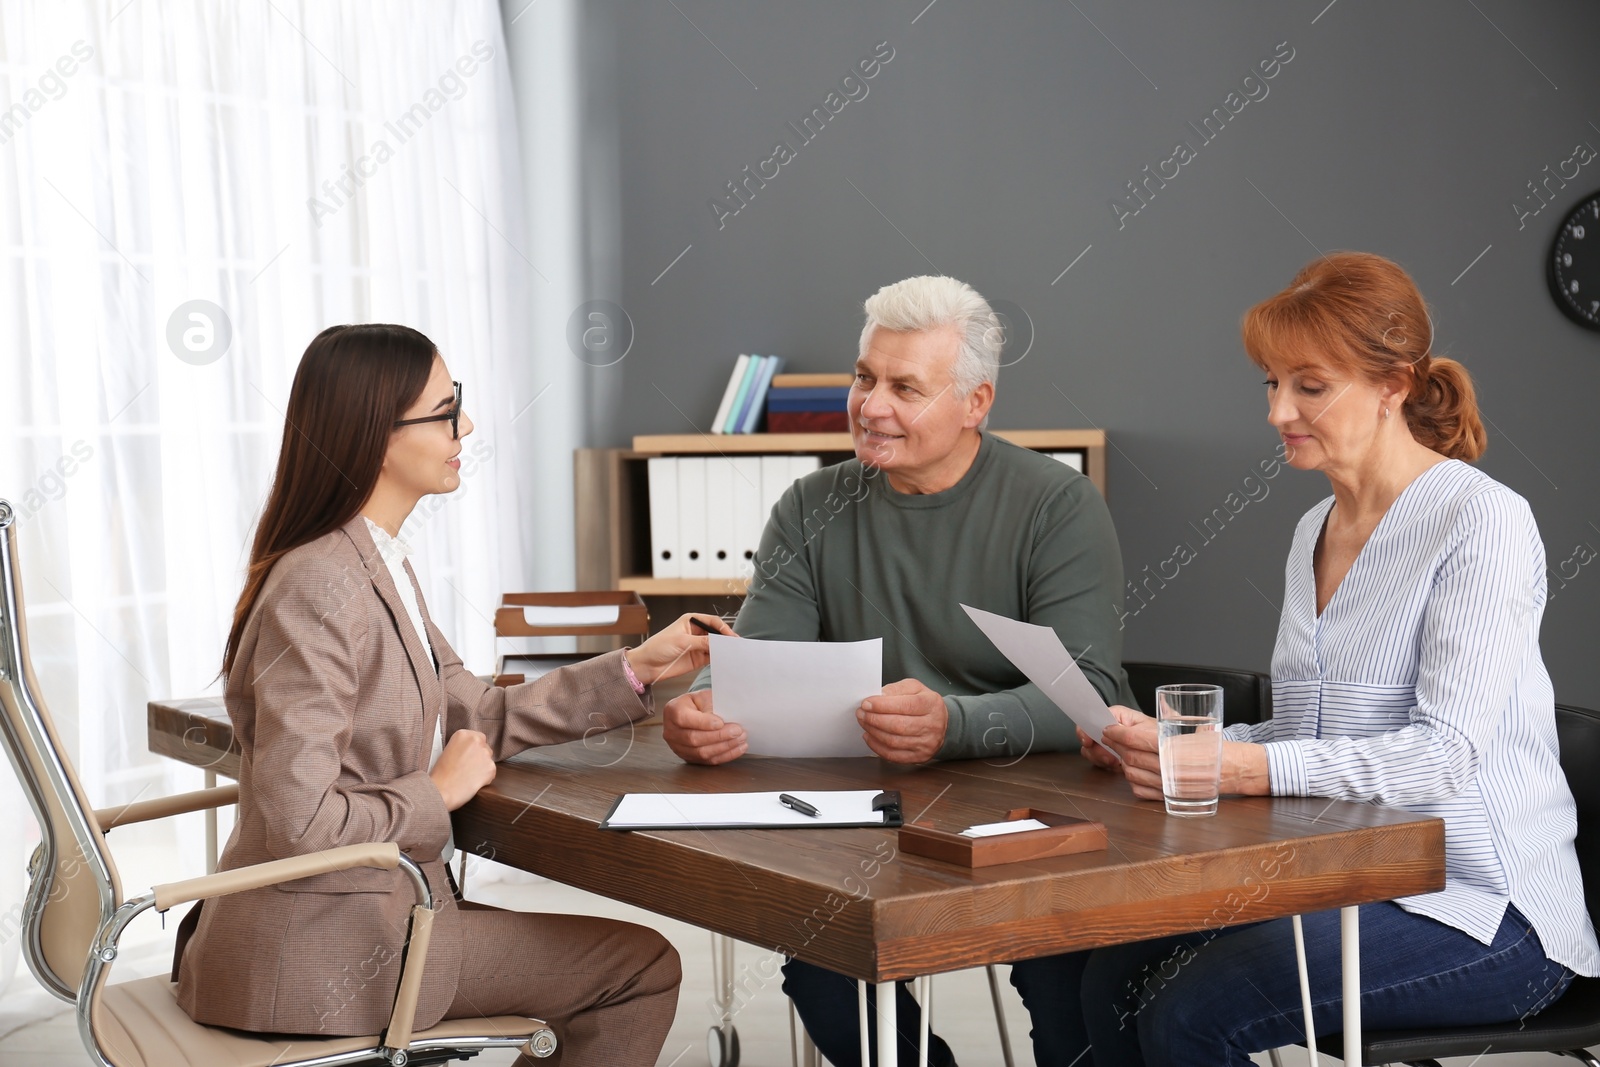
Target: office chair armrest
385,854
402,1019
163,807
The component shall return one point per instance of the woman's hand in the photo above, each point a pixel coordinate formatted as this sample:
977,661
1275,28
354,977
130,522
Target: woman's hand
465,766
1134,737
1244,769
680,648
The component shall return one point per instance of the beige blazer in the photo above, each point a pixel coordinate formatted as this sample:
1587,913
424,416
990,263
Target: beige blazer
335,713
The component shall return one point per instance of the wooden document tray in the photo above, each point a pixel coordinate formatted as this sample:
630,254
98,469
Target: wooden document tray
1063,836
632,615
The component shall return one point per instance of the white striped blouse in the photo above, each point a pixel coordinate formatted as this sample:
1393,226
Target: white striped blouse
1421,686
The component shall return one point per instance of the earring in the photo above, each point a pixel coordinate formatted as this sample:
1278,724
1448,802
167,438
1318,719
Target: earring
1386,413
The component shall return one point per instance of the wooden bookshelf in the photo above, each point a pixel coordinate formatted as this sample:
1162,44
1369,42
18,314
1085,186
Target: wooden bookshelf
613,504
1090,442
648,586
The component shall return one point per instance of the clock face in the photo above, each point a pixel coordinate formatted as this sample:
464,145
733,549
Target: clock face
1574,273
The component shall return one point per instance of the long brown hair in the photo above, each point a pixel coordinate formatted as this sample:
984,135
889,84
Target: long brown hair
353,384
1365,315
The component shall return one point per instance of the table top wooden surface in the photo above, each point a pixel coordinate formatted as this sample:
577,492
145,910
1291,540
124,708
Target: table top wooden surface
850,900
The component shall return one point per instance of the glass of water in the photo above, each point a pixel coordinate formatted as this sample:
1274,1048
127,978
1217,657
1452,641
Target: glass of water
1189,718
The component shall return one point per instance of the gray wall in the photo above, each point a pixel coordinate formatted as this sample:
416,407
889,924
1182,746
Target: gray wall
991,147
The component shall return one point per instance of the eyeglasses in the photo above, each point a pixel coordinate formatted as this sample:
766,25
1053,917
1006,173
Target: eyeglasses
453,416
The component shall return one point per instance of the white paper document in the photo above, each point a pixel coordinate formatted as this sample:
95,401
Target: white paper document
710,811
576,615
1038,653
1010,826
796,698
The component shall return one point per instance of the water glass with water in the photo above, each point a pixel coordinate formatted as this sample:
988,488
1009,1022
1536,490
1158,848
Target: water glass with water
1189,718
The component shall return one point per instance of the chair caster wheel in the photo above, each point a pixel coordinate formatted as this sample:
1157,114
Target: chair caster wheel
722,1046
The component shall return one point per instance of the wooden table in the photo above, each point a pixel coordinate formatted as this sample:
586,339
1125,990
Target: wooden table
846,899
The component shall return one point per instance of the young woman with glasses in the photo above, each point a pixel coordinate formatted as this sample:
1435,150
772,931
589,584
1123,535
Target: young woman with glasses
358,723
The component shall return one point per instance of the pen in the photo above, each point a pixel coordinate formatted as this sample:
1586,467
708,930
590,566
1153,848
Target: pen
695,620
798,805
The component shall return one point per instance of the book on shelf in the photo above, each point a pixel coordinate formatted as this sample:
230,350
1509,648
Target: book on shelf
752,370
792,400
752,418
729,392
813,381
808,422
755,388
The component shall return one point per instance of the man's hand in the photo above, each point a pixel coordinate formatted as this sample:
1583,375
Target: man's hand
1134,737
906,724
465,766
695,733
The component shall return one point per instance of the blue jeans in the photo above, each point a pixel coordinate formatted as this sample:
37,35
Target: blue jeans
826,1003
1215,997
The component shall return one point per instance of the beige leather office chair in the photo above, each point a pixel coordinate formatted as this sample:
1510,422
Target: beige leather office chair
75,913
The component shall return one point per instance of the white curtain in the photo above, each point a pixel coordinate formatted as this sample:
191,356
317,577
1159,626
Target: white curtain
289,165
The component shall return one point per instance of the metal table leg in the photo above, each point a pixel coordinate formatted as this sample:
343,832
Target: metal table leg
1000,1016
810,1057
802,1050
1350,946
888,1029
1305,994
722,1040
861,1016
925,1003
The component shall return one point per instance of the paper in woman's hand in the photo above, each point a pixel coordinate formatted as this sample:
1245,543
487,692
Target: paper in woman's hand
1038,653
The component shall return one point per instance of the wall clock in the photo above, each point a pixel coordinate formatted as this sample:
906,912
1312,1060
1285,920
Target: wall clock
1574,264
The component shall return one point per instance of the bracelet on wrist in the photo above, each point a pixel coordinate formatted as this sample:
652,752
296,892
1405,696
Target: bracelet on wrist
633,679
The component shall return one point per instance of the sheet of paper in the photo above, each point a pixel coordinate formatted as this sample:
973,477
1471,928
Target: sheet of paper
575,615
1038,653
837,807
995,829
796,698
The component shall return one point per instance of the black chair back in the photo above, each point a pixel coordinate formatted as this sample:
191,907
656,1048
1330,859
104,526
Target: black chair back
1579,733
1246,695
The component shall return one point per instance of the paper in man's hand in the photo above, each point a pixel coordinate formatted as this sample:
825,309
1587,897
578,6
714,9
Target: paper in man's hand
796,698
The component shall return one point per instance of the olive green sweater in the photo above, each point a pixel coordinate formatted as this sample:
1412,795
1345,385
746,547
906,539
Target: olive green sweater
845,557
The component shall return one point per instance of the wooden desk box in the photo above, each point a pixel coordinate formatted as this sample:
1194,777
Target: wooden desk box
1063,836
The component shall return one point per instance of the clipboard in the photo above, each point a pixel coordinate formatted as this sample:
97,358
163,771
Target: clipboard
733,811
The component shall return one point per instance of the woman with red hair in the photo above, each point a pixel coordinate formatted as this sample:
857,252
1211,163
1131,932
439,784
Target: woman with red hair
1407,672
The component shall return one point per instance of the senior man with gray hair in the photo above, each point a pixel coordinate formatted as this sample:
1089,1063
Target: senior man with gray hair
932,513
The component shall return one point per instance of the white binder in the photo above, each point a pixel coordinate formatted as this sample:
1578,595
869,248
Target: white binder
775,478
722,555
666,559
800,466
692,516
748,518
